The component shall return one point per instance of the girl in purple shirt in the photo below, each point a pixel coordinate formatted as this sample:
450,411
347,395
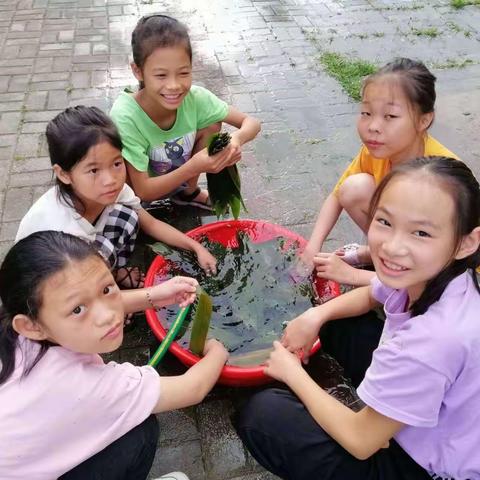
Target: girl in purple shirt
421,392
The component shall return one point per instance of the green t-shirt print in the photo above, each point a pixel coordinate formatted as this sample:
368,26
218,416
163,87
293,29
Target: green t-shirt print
149,148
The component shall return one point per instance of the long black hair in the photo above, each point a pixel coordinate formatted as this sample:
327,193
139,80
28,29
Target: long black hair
156,31
26,267
456,178
71,134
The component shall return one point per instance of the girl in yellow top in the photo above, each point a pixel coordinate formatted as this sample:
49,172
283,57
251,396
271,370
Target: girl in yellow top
396,111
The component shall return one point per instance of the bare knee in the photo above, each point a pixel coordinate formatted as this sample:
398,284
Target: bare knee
356,191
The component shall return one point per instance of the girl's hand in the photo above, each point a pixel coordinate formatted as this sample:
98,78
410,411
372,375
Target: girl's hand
205,164
235,151
214,347
281,364
180,290
302,332
332,267
206,260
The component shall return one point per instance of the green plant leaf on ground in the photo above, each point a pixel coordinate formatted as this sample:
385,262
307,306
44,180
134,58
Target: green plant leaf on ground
431,32
349,72
201,322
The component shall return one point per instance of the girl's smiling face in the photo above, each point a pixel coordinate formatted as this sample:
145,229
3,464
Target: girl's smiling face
82,308
412,234
167,76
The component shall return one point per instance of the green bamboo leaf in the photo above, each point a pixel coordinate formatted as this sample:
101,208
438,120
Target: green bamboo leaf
234,175
201,322
235,206
217,142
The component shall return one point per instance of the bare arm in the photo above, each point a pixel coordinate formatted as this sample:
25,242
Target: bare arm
360,433
191,388
326,220
152,188
166,233
248,127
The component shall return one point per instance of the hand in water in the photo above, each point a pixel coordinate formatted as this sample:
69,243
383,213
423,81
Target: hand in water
214,347
302,332
206,260
303,267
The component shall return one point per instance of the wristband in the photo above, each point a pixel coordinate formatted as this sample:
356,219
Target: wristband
150,301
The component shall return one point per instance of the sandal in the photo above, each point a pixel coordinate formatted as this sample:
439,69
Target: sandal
129,277
351,254
130,321
182,198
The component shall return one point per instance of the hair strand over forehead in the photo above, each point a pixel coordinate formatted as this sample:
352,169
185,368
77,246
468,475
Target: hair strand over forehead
414,79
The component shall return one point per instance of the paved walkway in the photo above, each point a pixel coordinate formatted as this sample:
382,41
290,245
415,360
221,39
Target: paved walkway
260,55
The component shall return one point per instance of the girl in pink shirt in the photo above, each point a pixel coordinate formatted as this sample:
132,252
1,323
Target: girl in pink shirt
420,416
65,413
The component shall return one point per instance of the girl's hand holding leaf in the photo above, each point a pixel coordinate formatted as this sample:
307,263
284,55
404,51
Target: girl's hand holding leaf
282,364
206,260
179,290
204,163
302,332
224,187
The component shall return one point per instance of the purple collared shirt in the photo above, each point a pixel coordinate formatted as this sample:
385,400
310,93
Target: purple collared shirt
425,373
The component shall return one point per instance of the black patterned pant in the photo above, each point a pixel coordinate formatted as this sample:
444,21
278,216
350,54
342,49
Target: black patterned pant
117,241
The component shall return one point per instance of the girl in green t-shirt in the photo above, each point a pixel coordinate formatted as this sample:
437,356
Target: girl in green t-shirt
165,124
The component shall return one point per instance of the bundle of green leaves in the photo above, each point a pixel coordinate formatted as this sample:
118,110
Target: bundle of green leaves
224,187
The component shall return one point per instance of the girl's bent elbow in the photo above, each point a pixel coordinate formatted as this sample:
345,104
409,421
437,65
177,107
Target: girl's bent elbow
362,452
145,194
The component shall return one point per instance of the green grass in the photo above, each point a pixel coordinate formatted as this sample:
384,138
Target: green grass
454,27
452,63
431,32
463,3
347,71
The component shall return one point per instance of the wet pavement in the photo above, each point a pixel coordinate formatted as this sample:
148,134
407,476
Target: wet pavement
262,57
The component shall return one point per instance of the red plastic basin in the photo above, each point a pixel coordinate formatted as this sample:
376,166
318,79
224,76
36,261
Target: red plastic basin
225,232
